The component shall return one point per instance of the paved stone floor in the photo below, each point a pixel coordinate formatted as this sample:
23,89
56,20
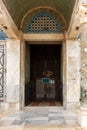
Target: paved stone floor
41,116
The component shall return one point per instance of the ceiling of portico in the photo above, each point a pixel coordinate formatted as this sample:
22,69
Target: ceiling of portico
18,8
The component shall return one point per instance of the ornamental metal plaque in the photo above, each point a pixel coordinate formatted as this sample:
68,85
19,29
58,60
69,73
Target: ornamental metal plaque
45,80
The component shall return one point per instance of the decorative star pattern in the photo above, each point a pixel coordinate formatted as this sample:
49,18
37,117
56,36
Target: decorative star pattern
1,72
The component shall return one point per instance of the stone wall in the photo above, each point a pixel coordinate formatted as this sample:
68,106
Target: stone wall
18,73
84,64
83,107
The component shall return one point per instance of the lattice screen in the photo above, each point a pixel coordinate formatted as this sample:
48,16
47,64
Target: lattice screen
1,72
43,23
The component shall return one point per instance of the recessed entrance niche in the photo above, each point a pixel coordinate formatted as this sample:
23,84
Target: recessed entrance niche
43,74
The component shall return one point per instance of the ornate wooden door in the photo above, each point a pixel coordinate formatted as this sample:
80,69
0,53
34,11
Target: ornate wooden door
45,58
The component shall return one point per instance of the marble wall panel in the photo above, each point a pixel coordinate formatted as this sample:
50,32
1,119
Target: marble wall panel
13,70
73,72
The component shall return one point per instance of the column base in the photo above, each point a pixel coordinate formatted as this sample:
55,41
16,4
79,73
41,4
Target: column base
72,105
83,117
9,106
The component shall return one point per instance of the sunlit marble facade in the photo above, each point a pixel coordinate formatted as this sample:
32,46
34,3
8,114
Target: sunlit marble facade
74,66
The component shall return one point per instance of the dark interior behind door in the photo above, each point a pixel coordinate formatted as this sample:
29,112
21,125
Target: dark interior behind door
45,58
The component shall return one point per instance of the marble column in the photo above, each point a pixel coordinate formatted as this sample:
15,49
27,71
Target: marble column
13,74
72,73
83,108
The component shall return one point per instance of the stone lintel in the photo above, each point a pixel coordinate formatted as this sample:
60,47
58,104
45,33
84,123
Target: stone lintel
43,37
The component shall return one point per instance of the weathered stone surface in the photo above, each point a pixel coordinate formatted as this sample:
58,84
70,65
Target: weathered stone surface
84,33
13,71
73,74
84,64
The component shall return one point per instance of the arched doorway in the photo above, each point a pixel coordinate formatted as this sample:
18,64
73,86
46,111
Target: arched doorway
43,66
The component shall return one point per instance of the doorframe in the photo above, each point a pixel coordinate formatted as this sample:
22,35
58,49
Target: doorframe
43,37
51,37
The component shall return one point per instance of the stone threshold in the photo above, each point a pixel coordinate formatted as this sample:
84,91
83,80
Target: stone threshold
44,127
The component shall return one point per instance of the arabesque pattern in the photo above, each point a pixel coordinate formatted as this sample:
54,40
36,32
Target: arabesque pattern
1,72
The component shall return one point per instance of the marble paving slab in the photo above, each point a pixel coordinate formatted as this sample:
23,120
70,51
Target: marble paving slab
40,116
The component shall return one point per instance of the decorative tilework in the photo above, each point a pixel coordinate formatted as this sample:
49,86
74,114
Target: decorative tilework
1,72
43,23
3,36
42,15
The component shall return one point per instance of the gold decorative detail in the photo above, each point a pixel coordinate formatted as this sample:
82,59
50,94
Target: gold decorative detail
47,73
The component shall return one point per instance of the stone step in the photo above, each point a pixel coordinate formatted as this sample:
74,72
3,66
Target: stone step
41,128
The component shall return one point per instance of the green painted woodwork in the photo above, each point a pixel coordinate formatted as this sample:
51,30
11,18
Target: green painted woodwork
18,8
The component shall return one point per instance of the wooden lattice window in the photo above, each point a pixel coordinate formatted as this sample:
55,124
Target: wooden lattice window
44,23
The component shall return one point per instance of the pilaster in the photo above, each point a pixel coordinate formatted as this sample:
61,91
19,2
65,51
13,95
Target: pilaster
72,73
83,84
13,74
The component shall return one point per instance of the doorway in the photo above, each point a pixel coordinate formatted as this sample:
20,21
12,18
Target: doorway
43,74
